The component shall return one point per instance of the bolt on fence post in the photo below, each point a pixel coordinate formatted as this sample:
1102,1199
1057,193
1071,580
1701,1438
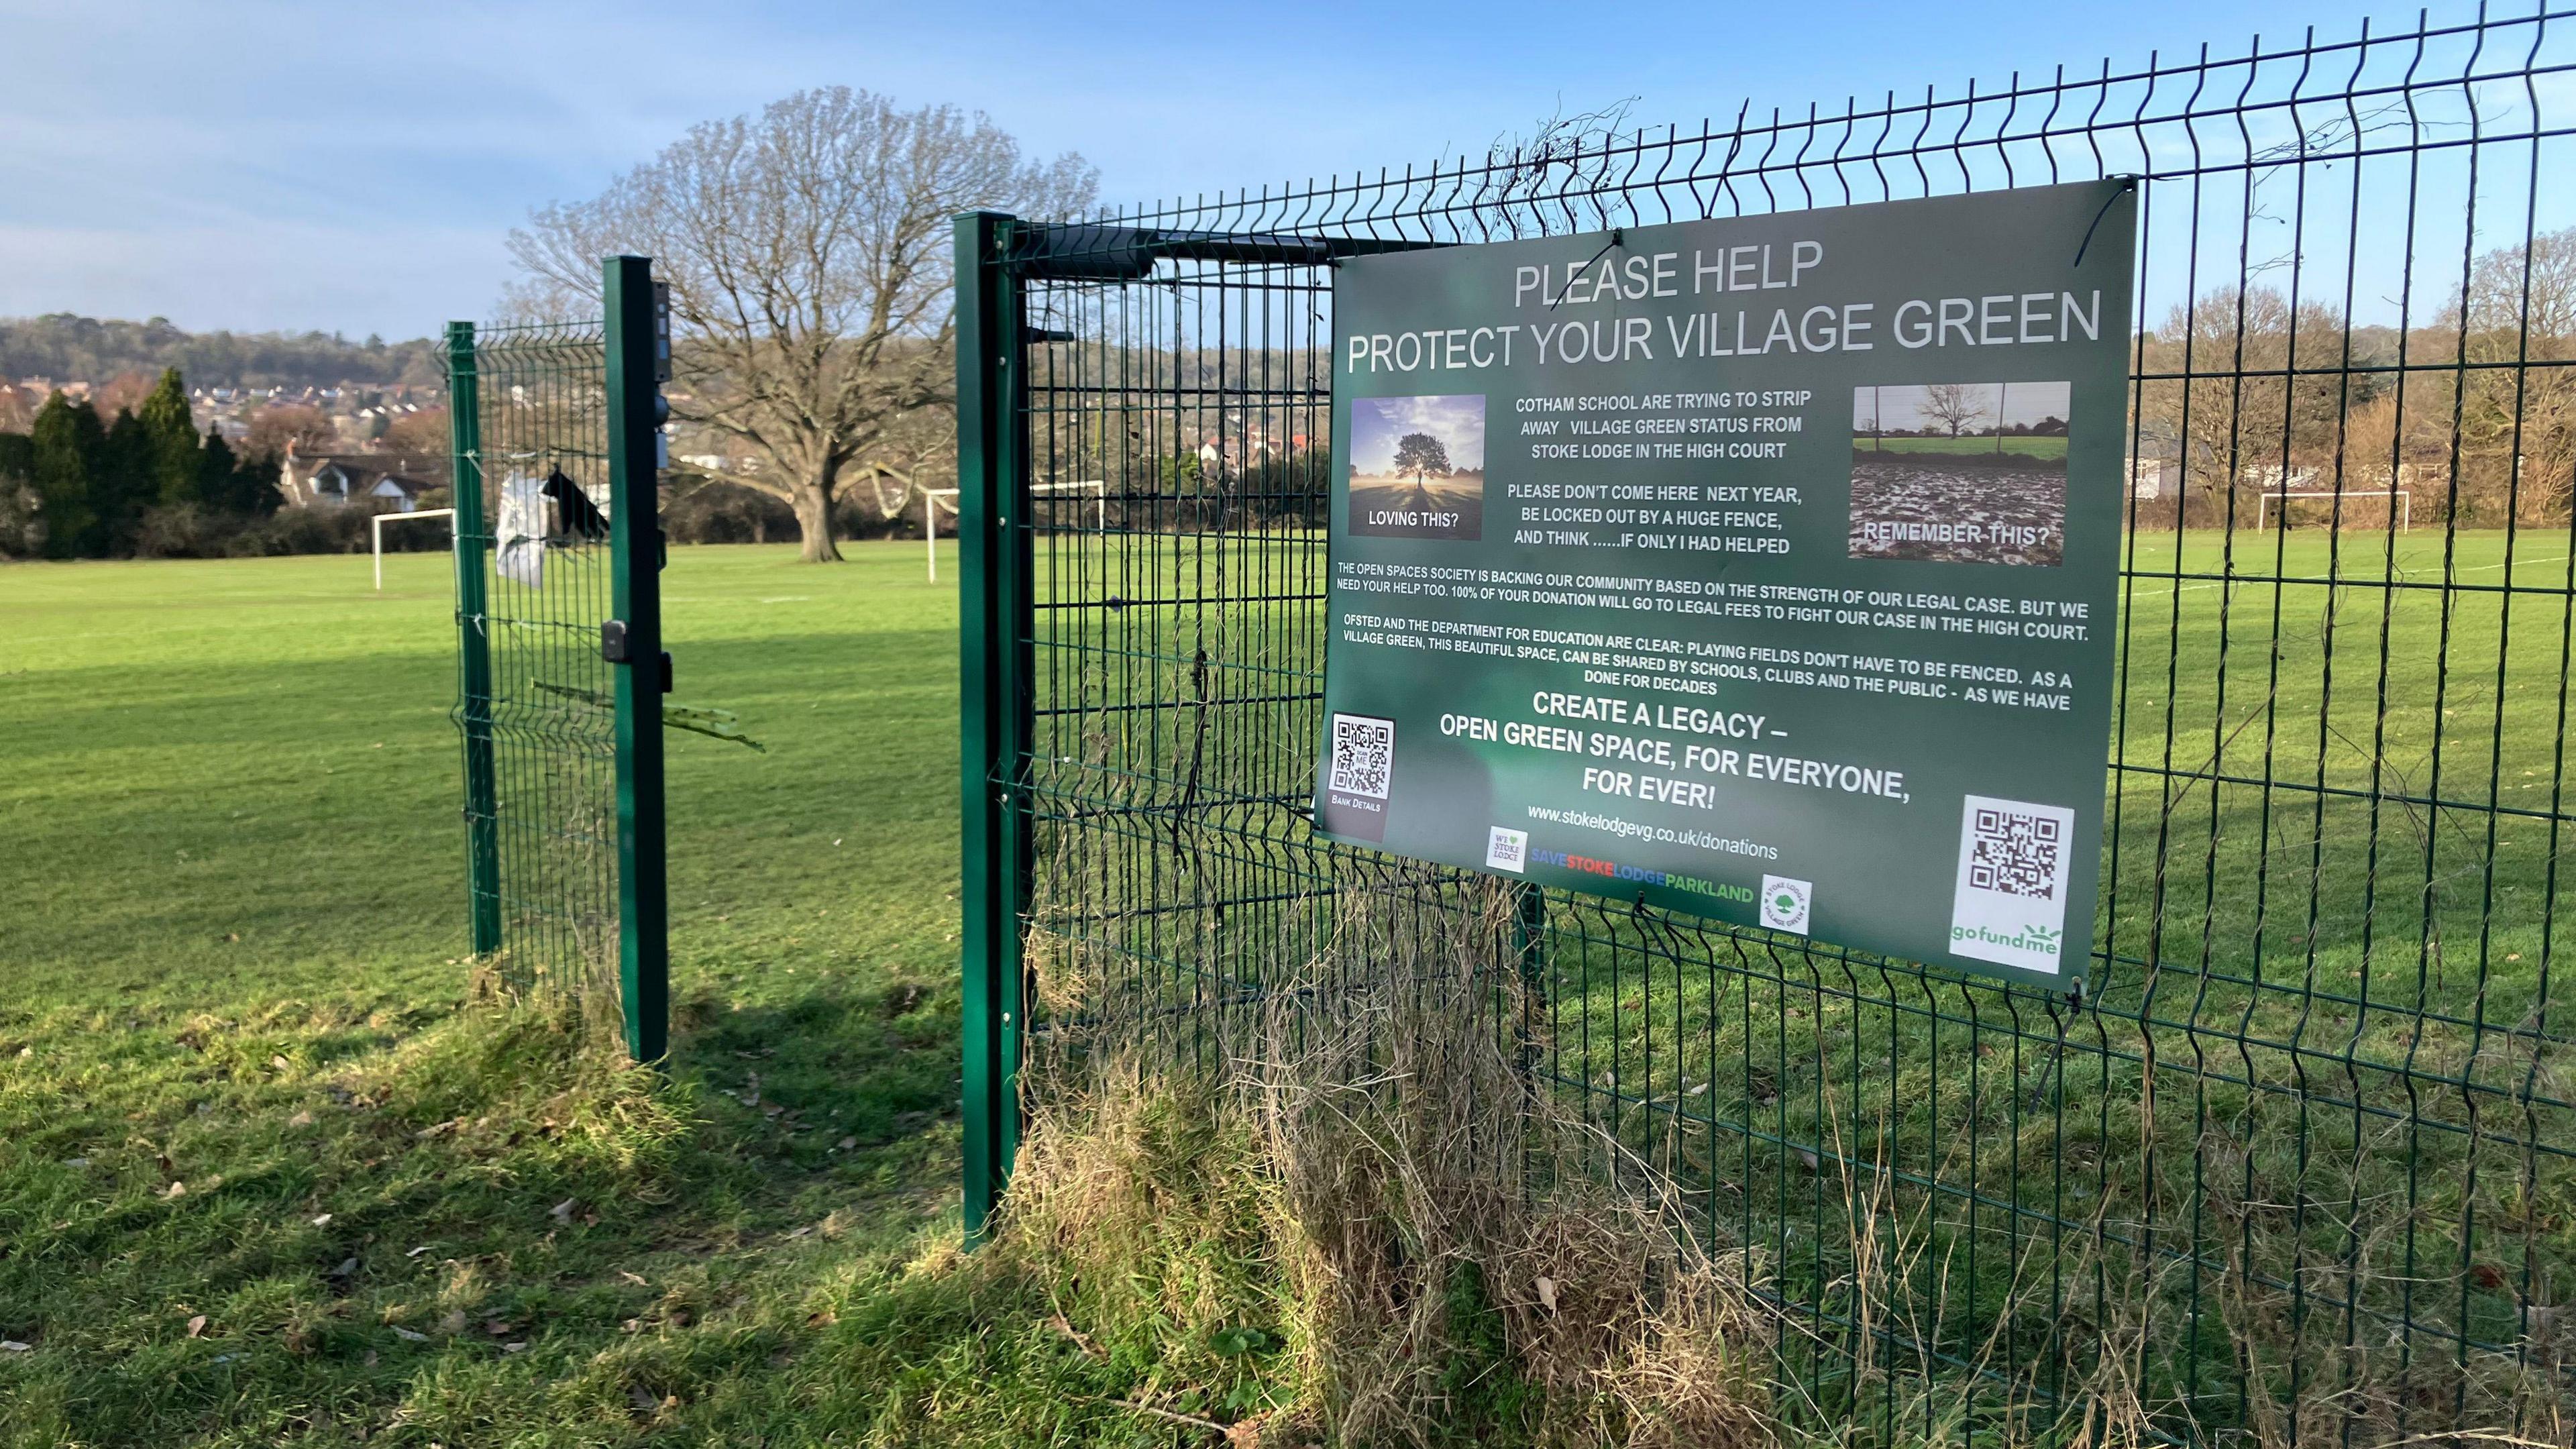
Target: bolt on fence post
474,642
994,656
635,561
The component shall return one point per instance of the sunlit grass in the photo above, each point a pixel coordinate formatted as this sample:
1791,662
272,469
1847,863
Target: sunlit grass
266,1177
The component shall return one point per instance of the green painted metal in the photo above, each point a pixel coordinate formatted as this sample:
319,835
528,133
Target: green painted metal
994,636
563,748
635,543
473,644
535,701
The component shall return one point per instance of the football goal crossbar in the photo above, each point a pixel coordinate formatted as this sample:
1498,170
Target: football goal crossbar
935,499
376,527
2403,498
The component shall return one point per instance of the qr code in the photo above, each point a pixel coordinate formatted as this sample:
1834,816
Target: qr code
1363,754
2016,854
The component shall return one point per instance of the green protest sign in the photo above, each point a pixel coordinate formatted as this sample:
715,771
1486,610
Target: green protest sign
1759,568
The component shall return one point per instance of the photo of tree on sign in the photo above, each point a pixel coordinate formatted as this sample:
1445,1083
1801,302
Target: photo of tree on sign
1960,472
1417,467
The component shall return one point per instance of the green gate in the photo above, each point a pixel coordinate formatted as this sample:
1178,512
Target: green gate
560,661
2302,1165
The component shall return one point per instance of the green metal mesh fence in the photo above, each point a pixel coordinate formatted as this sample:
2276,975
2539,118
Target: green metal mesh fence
2299,1169
536,699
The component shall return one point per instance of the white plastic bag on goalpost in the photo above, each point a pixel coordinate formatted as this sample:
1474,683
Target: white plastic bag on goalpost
519,542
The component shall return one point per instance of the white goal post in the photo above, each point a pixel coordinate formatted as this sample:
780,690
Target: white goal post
376,526
934,499
2404,497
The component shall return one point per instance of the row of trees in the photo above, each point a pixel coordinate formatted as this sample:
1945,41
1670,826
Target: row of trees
76,485
62,345
2472,411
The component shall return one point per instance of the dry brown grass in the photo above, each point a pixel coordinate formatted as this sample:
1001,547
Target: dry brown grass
1369,1173
1440,1245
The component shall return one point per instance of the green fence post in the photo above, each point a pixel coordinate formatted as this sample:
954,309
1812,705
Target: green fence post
993,622
633,640
474,642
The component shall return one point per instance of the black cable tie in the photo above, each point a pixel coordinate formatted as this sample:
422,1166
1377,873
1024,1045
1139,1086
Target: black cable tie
2127,185
1617,235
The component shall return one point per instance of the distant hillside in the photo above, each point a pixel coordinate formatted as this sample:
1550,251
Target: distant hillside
84,349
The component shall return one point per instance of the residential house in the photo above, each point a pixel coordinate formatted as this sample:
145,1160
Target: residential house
377,479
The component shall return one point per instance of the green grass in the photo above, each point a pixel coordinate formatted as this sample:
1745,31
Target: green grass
2361,1044
2348,1049
2026,447
229,960
2023,447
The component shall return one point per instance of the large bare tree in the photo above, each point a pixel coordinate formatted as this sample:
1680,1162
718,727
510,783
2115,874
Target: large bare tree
808,254
1957,406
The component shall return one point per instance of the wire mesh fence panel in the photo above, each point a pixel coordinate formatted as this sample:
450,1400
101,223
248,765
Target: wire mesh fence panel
2297,1168
536,699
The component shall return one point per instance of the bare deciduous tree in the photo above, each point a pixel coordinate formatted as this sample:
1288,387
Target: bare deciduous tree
272,429
1957,406
807,251
2518,419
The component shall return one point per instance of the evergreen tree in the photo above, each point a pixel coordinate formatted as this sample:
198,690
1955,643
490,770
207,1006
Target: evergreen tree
18,511
215,464
177,475
231,483
70,449
126,485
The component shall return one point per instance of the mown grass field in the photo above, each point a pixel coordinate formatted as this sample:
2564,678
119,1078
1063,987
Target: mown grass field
2338,834
266,1178
2026,447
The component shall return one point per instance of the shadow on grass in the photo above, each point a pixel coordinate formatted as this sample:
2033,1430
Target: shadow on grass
324,1220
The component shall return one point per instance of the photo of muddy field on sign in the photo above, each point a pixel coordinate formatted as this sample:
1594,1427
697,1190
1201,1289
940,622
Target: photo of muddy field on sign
1960,472
1417,467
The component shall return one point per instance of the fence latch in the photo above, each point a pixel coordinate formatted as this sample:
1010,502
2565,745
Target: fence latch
613,647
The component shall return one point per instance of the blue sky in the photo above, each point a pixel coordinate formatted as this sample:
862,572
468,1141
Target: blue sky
1378,424
277,164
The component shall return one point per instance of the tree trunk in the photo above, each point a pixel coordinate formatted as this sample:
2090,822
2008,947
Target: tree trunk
814,520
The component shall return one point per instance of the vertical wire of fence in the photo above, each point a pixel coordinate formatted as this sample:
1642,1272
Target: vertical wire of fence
536,699
2298,1169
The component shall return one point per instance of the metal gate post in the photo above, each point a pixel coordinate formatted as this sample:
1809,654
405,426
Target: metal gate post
474,643
633,641
994,695
1529,935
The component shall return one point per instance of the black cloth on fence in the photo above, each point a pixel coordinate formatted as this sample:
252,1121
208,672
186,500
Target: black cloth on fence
577,514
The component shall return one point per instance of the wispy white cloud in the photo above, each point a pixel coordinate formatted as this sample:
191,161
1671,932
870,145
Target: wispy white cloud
146,142
1378,424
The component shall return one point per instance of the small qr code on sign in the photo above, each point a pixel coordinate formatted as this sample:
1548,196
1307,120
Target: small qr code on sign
2016,864
2016,854
1363,754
